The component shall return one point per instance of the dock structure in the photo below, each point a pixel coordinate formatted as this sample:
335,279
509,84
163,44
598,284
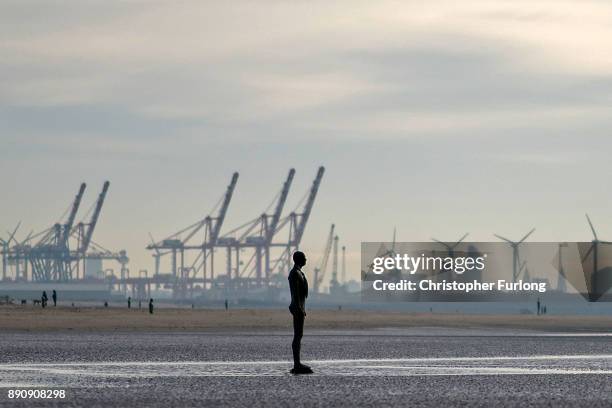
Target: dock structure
254,254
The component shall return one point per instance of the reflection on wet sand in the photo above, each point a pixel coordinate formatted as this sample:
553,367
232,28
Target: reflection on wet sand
97,374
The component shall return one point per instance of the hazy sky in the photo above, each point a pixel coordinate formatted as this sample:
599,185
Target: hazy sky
437,118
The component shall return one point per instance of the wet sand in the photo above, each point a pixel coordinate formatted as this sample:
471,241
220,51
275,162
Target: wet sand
29,318
391,367
114,356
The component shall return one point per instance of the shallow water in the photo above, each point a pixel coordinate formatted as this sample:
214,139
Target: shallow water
59,375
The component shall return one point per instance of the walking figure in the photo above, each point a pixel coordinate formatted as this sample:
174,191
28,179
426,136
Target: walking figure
538,306
151,306
54,297
43,299
129,302
298,285
226,305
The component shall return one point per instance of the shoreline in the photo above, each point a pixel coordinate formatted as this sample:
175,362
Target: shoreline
94,319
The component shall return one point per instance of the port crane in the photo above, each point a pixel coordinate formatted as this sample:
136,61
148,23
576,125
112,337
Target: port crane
177,244
321,268
57,253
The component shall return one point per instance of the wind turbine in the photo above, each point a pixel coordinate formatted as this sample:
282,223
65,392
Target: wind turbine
21,245
6,247
595,249
526,275
12,234
449,247
515,253
390,252
383,253
561,281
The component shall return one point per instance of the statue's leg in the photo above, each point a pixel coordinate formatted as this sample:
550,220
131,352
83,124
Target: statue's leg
298,331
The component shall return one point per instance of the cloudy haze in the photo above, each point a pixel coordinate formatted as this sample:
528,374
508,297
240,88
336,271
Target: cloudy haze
436,118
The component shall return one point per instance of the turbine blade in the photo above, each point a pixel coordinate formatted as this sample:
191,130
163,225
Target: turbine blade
503,239
437,240
461,239
591,225
440,242
27,238
12,235
153,243
588,253
528,234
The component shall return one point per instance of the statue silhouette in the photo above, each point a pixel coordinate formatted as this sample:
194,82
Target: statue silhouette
298,285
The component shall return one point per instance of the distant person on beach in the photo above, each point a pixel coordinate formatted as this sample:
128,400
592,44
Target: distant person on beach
43,299
226,305
129,302
538,305
298,285
54,297
151,306
105,303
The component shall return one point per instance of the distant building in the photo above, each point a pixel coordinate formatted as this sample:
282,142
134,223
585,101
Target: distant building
94,269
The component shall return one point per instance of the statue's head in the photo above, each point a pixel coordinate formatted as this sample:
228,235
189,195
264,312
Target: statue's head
299,259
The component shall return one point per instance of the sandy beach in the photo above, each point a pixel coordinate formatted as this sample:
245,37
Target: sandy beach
18,318
113,356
